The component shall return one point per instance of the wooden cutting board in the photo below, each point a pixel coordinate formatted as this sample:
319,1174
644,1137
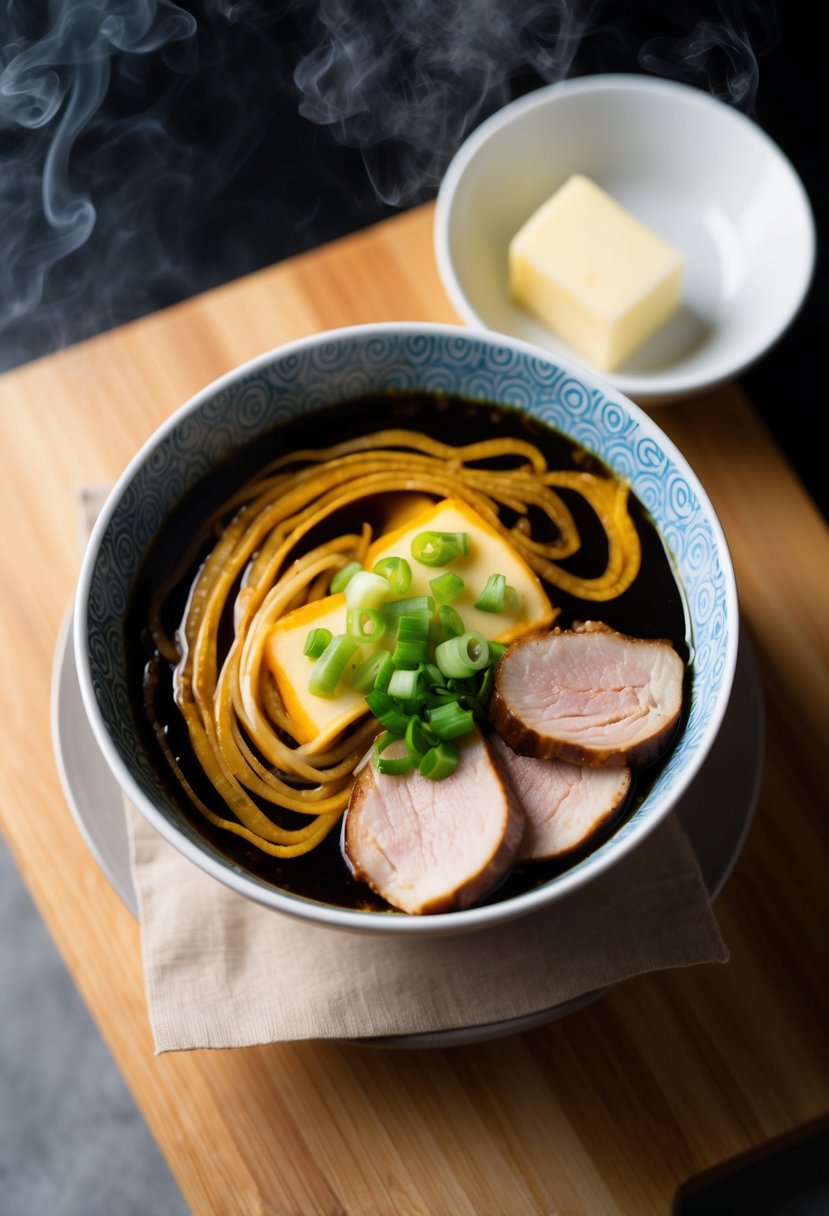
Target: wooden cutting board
606,1111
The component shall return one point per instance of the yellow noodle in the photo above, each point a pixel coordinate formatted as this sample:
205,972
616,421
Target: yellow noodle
237,722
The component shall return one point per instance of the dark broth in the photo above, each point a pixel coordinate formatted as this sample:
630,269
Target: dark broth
652,607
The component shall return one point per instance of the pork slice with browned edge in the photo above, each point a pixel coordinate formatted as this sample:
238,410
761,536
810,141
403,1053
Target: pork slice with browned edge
565,805
433,846
588,695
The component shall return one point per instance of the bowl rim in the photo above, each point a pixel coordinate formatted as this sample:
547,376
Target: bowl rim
477,917
662,385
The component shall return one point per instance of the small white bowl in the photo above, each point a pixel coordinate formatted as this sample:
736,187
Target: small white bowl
691,168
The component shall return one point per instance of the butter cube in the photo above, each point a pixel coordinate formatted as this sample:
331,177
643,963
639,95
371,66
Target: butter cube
488,554
593,274
314,720
317,721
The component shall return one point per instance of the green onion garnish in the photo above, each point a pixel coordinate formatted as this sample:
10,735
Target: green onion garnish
418,738
446,587
374,673
331,664
404,684
396,571
415,603
434,685
463,655
412,634
512,600
387,712
434,674
316,642
440,761
393,766
450,621
439,548
485,687
366,590
439,696
450,720
365,624
343,577
385,671
491,598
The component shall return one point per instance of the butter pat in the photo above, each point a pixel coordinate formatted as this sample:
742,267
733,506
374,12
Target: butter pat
489,553
317,721
593,274
314,720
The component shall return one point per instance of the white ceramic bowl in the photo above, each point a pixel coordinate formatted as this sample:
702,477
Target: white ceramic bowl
696,171
302,378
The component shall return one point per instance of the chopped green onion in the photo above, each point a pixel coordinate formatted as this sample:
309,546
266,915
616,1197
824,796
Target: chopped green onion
387,712
418,738
496,649
393,766
365,624
450,720
440,761
446,587
404,684
369,674
462,656
366,590
384,672
396,571
434,674
343,577
415,603
451,621
316,642
439,548
440,696
485,688
512,599
460,686
331,664
491,598
412,634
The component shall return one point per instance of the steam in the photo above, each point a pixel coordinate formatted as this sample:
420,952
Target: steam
126,126
121,123
61,79
407,86
720,53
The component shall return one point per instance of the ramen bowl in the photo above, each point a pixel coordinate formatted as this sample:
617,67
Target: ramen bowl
692,169
253,408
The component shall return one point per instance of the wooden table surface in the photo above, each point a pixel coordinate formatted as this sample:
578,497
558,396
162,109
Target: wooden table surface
606,1111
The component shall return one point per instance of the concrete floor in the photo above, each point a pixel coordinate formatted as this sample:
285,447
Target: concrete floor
72,1140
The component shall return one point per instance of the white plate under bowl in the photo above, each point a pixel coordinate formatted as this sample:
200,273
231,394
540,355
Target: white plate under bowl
715,812
693,169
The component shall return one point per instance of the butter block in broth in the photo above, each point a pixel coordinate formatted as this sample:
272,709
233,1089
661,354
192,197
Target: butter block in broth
593,274
316,721
489,553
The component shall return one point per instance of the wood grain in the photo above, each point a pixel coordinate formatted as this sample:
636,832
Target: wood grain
607,1111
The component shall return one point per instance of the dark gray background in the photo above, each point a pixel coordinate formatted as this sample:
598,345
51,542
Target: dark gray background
225,135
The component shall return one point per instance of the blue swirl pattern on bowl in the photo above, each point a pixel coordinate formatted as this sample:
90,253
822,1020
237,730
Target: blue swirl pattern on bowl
342,366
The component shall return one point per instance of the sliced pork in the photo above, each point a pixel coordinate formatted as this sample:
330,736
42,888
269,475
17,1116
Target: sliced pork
564,804
588,695
433,846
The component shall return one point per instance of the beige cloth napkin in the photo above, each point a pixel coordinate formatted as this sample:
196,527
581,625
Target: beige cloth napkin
221,971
